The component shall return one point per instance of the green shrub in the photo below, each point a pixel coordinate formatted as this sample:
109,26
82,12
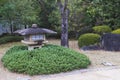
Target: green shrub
102,29
88,39
46,60
16,48
7,39
117,31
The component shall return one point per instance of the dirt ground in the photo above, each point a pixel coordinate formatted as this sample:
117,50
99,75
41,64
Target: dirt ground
96,57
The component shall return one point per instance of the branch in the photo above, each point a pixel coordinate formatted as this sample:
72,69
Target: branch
41,2
59,3
65,4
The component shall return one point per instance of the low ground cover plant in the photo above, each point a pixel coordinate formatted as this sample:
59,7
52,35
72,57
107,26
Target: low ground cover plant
47,60
6,39
88,39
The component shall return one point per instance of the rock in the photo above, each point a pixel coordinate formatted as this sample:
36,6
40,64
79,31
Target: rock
107,64
91,47
110,42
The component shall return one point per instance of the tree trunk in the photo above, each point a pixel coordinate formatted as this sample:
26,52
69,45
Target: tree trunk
11,27
25,26
64,25
64,28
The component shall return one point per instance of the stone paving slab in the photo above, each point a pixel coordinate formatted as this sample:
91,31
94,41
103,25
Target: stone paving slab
100,74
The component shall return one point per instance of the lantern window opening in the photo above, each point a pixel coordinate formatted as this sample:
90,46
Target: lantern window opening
37,37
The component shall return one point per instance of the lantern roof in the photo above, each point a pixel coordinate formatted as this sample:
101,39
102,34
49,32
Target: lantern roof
35,30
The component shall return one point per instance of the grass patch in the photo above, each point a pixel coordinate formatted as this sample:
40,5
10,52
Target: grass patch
47,60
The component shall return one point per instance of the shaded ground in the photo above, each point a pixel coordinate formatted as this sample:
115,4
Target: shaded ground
97,57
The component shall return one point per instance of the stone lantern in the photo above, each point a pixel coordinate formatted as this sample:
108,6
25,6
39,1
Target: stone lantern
34,37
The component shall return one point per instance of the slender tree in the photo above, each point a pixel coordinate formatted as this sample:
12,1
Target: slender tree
63,7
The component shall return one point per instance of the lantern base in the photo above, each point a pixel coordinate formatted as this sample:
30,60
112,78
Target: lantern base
29,42
34,47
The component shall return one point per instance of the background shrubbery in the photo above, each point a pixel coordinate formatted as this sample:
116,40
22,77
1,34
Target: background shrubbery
88,39
6,39
46,60
117,31
102,29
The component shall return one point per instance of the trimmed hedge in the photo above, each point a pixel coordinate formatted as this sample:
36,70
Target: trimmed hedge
7,39
46,60
102,29
117,31
88,39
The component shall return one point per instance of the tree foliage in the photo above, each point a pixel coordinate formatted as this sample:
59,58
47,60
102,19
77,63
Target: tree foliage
94,12
49,16
83,13
18,11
